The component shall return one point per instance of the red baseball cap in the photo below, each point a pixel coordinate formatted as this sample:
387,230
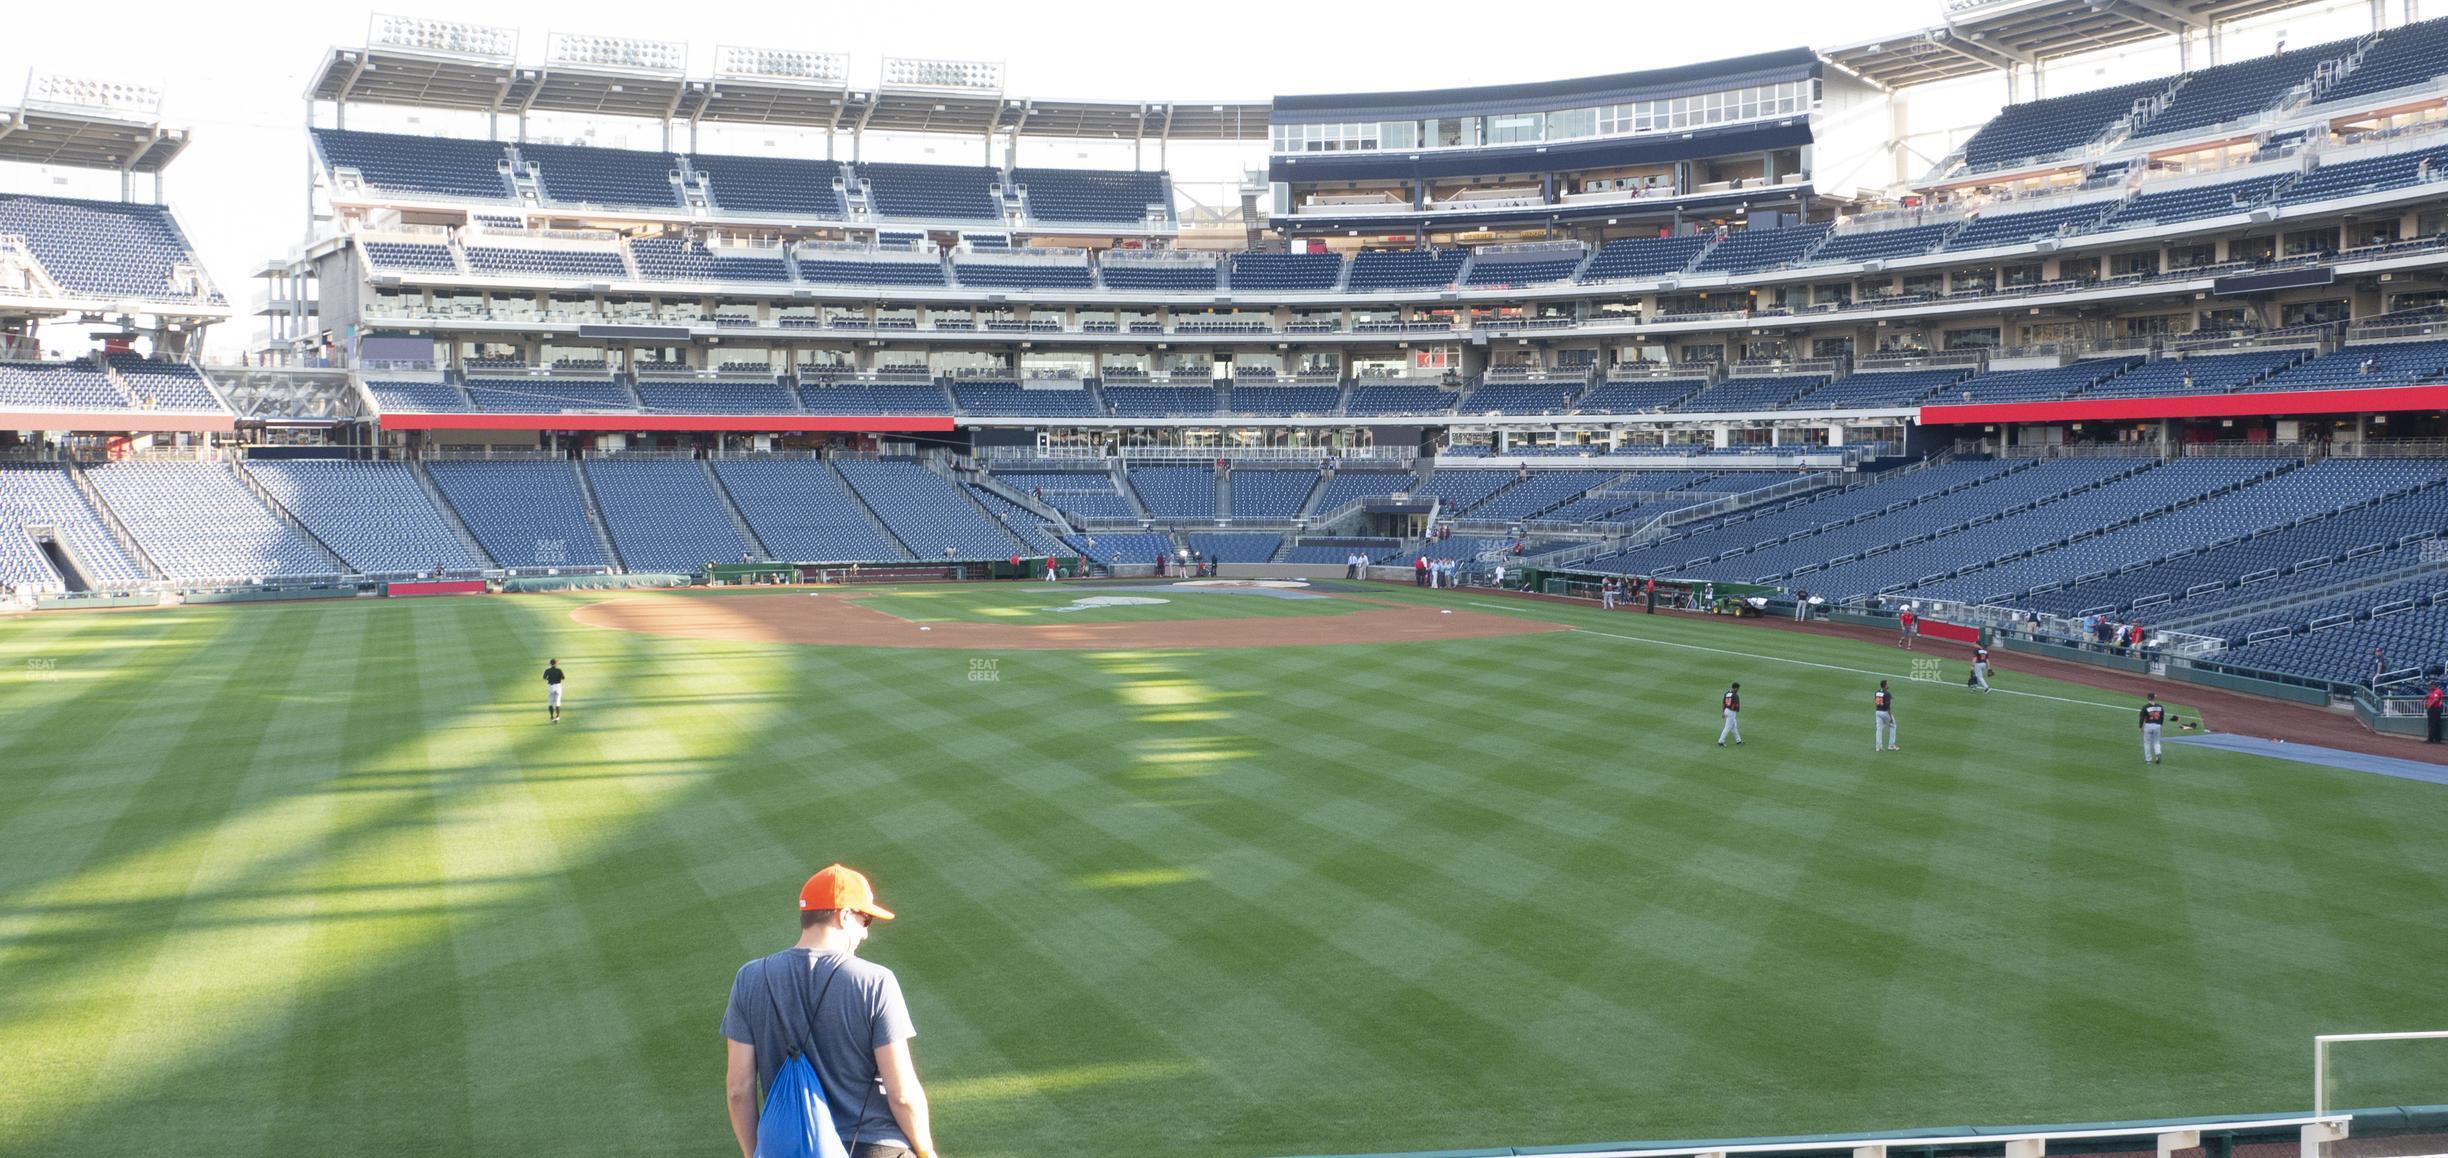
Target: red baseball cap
838,887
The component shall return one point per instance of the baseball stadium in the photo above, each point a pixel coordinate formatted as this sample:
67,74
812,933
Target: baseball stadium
1249,666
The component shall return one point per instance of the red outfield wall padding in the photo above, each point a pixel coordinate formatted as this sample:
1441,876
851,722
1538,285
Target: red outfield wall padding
746,423
1954,631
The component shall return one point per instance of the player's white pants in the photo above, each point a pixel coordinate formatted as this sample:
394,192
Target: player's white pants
552,696
1883,730
1732,729
1980,676
2150,741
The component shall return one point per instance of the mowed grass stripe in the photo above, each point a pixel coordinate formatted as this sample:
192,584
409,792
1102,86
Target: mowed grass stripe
127,963
1261,914
231,971
110,695
374,1025
534,989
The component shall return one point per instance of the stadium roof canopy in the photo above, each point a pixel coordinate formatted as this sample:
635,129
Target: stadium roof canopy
1991,35
89,124
470,68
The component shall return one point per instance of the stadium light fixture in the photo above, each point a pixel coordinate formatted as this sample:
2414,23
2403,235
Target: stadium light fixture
46,90
743,62
918,72
588,51
418,34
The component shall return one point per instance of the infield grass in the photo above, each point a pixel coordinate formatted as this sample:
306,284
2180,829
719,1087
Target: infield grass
319,879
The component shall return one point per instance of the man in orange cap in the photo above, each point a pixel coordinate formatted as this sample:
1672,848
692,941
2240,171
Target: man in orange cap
846,1016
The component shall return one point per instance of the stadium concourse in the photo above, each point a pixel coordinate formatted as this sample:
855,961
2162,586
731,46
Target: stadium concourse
1272,530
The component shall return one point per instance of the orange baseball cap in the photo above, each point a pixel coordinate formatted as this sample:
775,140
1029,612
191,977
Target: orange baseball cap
838,887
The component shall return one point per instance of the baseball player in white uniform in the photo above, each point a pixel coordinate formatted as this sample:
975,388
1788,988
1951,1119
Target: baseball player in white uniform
1980,669
552,689
1732,702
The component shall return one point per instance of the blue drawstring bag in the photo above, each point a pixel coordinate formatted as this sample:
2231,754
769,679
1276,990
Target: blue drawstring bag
796,1121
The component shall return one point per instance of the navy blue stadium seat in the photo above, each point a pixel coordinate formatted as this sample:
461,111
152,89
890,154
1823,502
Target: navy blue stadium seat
1285,272
2002,226
1096,196
1405,269
2048,127
415,166
786,186
931,192
104,249
1629,257
586,175
1753,250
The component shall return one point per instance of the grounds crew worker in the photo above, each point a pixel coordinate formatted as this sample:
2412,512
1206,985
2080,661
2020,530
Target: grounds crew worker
2153,715
2431,713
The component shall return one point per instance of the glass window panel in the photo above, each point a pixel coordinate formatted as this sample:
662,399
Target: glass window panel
1567,124
1513,127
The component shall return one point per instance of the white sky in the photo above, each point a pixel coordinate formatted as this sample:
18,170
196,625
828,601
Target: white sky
235,74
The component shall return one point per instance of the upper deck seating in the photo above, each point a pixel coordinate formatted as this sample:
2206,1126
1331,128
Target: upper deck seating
783,186
1099,196
2043,128
105,249
908,192
586,175
445,167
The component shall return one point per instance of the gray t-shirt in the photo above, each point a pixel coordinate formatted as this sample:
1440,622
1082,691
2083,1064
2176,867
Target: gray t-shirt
771,1008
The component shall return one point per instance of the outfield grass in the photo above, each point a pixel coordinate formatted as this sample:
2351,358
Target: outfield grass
317,878
1036,604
